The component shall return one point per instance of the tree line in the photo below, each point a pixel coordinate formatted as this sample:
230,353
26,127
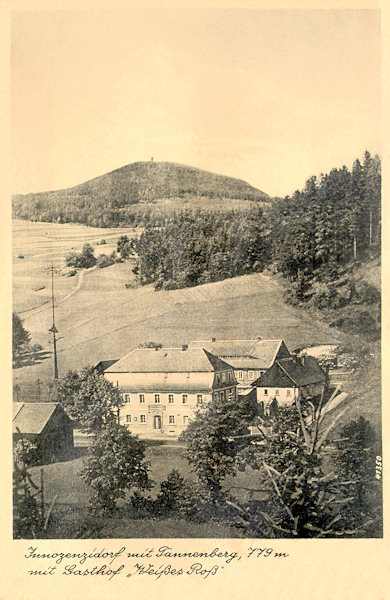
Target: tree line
334,220
314,239
196,247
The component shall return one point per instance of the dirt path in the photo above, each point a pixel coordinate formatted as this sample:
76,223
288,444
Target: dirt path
30,313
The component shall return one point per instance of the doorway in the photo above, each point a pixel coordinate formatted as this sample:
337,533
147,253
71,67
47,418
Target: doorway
157,422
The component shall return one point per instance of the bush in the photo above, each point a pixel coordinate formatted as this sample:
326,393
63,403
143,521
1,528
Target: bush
187,499
85,260
359,322
366,294
104,261
25,453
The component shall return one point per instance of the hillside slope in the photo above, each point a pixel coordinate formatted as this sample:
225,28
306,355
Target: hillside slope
114,193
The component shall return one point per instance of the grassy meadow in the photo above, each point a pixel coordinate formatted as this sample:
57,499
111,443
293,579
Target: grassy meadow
35,246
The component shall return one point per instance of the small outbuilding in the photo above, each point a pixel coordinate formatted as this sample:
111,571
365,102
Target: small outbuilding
47,425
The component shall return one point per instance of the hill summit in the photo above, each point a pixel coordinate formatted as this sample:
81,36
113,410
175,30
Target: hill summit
134,184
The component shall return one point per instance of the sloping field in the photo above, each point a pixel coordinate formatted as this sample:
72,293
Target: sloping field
35,246
104,319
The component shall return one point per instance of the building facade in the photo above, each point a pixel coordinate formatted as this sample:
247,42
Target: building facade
289,379
163,388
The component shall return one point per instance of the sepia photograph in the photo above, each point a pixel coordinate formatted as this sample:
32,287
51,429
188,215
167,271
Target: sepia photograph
196,274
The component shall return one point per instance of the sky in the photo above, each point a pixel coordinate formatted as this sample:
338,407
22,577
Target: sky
269,96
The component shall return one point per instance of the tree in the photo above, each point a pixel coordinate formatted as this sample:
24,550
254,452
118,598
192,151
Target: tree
125,247
357,449
304,496
85,260
211,447
20,337
89,398
115,464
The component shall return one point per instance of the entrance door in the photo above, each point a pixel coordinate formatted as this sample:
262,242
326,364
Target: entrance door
157,422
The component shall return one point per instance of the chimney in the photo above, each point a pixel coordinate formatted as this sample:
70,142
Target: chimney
184,347
213,339
258,338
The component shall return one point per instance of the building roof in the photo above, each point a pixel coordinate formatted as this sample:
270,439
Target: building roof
32,417
104,364
168,360
169,384
292,372
245,354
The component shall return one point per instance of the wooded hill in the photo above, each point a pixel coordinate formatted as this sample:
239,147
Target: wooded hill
314,239
125,196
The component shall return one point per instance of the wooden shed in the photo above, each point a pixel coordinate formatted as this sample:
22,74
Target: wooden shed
47,425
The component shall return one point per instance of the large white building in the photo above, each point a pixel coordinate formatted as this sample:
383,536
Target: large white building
163,388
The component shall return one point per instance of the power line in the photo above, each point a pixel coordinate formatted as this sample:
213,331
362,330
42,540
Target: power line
53,328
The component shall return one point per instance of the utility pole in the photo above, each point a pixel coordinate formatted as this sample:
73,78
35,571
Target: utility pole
53,328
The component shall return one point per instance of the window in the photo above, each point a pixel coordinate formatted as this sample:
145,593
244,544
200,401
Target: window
185,419
184,398
199,399
126,397
171,419
222,395
240,375
265,392
170,399
251,375
142,418
157,398
223,376
142,398
128,418
276,392
288,392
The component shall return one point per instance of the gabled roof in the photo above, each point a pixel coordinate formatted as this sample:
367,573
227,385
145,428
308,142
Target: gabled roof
292,372
32,417
168,360
258,354
168,383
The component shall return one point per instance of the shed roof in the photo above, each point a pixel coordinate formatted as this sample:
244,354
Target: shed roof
32,417
168,360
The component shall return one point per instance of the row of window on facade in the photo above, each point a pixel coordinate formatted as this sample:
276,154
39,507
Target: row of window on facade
142,419
157,398
251,374
276,392
222,377
229,394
